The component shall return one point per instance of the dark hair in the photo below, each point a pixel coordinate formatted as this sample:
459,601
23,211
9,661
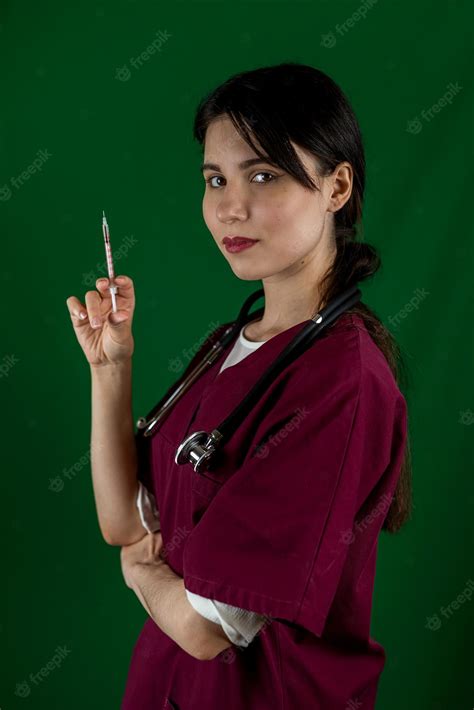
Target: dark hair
296,102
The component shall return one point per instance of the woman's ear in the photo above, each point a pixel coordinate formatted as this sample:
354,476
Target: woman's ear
341,186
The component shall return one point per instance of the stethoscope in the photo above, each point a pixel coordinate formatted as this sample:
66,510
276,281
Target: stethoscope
199,448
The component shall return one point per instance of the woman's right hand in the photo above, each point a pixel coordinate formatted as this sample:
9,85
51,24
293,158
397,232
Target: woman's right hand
110,341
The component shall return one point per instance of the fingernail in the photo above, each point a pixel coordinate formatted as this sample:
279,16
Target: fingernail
82,315
95,322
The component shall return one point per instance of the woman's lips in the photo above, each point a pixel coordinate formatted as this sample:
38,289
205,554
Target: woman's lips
236,244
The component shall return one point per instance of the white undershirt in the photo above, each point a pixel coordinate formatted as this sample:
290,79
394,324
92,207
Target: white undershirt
240,625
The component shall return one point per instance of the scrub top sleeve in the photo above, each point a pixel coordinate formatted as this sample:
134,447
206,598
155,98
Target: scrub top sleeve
270,540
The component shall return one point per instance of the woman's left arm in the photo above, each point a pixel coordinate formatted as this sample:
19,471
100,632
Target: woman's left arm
163,596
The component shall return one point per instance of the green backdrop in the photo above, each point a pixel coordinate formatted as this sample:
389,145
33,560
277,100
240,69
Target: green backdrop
86,125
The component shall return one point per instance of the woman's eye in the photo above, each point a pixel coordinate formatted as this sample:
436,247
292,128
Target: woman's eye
219,177
213,177
269,174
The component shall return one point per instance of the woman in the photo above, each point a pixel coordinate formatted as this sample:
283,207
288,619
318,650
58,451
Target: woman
258,575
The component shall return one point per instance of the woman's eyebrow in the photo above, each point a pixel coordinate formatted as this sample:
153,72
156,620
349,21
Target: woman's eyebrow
244,164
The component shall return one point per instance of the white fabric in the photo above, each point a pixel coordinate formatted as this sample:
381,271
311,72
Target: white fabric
239,625
146,505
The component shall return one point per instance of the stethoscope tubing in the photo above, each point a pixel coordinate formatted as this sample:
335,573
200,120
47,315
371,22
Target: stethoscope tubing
299,344
199,447
146,425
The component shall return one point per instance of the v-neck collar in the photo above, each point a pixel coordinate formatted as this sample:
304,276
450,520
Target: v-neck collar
222,391
251,362
266,353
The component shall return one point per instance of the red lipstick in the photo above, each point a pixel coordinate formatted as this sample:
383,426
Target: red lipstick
236,244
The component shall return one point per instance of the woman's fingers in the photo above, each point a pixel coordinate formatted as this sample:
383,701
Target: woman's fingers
102,285
77,310
93,303
125,289
92,311
125,284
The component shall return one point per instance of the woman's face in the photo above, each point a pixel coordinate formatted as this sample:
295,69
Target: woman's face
291,223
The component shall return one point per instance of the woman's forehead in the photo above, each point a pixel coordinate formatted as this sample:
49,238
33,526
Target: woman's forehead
223,139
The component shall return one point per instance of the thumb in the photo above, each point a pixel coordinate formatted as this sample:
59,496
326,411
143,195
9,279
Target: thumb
117,319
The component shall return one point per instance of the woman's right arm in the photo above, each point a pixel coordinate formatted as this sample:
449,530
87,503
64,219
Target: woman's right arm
114,455
107,342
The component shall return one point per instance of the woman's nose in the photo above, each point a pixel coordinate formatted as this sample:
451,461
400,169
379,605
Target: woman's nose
232,206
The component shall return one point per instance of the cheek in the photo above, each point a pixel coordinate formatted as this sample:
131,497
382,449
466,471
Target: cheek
285,219
271,216
294,230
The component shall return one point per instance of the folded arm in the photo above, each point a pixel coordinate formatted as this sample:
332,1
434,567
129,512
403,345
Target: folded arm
163,596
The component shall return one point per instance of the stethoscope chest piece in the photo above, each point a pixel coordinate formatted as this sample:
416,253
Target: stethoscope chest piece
198,449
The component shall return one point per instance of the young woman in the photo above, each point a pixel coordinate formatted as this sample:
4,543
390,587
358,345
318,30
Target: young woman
258,574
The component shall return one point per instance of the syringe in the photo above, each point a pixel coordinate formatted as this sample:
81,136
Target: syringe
110,263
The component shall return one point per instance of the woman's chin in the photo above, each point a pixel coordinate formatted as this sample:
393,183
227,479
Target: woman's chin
247,272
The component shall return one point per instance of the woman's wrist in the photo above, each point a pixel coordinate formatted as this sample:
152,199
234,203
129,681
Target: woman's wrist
113,372
111,366
114,379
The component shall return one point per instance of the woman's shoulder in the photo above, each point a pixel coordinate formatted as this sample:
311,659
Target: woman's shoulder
344,356
347,353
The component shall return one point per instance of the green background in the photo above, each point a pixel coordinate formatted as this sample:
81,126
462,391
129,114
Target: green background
126,146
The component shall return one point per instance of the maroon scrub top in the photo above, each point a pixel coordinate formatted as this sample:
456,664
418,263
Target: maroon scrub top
285,525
